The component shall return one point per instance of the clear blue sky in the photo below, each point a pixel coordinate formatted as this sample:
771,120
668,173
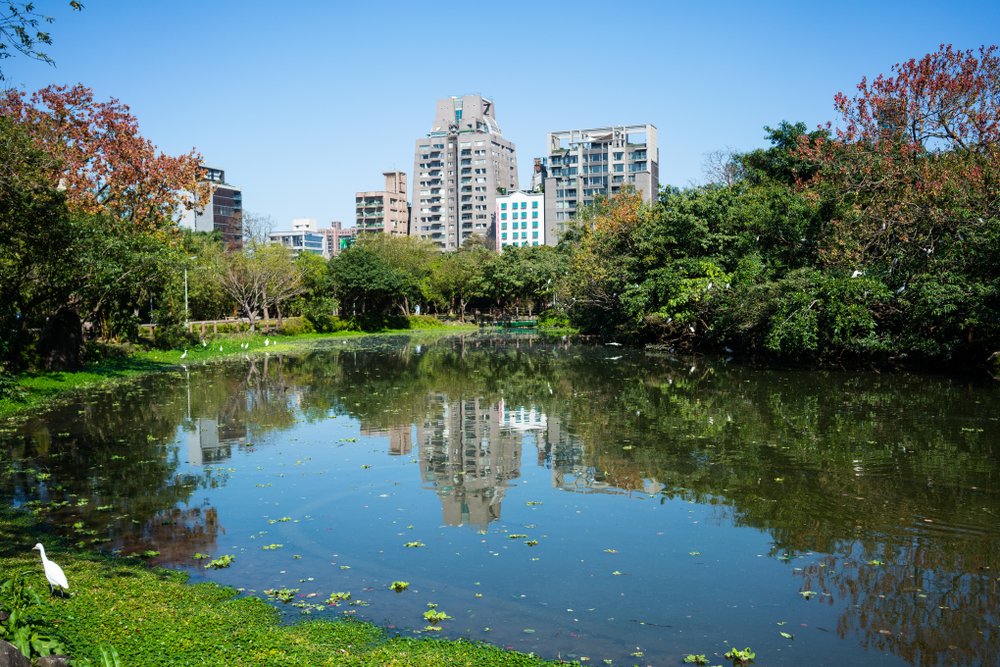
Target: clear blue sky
305,103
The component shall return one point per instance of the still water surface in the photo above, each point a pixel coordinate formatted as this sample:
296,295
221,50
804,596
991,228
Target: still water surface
570,500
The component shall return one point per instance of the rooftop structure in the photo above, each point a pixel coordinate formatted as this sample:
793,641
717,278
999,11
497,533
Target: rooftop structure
584,164
458,169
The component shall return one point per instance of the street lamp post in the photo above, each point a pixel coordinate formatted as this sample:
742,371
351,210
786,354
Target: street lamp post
187,322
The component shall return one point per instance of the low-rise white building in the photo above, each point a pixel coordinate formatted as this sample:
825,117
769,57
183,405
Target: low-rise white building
520,219
303,237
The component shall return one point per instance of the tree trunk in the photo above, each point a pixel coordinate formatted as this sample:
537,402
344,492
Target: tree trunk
61,342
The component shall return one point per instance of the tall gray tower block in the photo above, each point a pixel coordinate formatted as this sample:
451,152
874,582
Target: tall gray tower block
458,170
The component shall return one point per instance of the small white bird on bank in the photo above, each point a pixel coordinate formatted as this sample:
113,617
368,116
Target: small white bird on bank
267,341
54,573
184,356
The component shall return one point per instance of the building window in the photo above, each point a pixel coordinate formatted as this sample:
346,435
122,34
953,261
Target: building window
503,237
534,214
524,204
503,206
503,216
534,235
503,225
534,224
534,204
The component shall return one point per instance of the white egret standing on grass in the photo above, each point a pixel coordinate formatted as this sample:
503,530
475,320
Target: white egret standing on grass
54,573
184,356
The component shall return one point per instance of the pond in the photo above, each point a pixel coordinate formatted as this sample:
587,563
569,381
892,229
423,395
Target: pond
577,501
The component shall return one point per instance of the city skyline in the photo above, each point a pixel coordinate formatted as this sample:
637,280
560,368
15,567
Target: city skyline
291,125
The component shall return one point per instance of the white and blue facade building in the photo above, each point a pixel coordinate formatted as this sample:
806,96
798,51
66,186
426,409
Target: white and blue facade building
520,220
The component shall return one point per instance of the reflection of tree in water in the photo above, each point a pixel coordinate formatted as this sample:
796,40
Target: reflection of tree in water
926,605
848,465
87,466
178,534
824,462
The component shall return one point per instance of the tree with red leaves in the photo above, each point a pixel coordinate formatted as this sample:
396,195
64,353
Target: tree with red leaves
915,160
103,163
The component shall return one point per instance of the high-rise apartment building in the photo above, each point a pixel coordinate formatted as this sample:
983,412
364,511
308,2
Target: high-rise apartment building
458,169
583,164
223,212
386,210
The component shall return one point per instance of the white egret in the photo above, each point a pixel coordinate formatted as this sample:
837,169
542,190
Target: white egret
267,341
184,355
54,573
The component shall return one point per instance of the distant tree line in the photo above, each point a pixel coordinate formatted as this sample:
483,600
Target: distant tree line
876,241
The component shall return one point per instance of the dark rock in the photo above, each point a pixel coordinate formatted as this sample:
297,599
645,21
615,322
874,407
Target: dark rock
53,661
11,657
61,342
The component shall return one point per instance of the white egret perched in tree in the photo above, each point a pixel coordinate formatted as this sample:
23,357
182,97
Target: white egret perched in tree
54,573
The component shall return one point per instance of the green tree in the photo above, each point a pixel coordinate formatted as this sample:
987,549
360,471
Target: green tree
21,30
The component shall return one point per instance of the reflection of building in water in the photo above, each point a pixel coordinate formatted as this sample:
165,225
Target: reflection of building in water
400,438
211,441
566,455
468,457
521,418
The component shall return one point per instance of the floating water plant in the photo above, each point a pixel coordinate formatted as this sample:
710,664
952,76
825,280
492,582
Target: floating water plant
435,616
740,657
338,597
221,562
414,544
399,586
285,595
696,659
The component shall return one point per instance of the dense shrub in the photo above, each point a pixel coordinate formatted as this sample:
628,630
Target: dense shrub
173,337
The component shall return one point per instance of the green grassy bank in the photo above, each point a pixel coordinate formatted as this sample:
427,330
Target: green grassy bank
153,617
35,389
